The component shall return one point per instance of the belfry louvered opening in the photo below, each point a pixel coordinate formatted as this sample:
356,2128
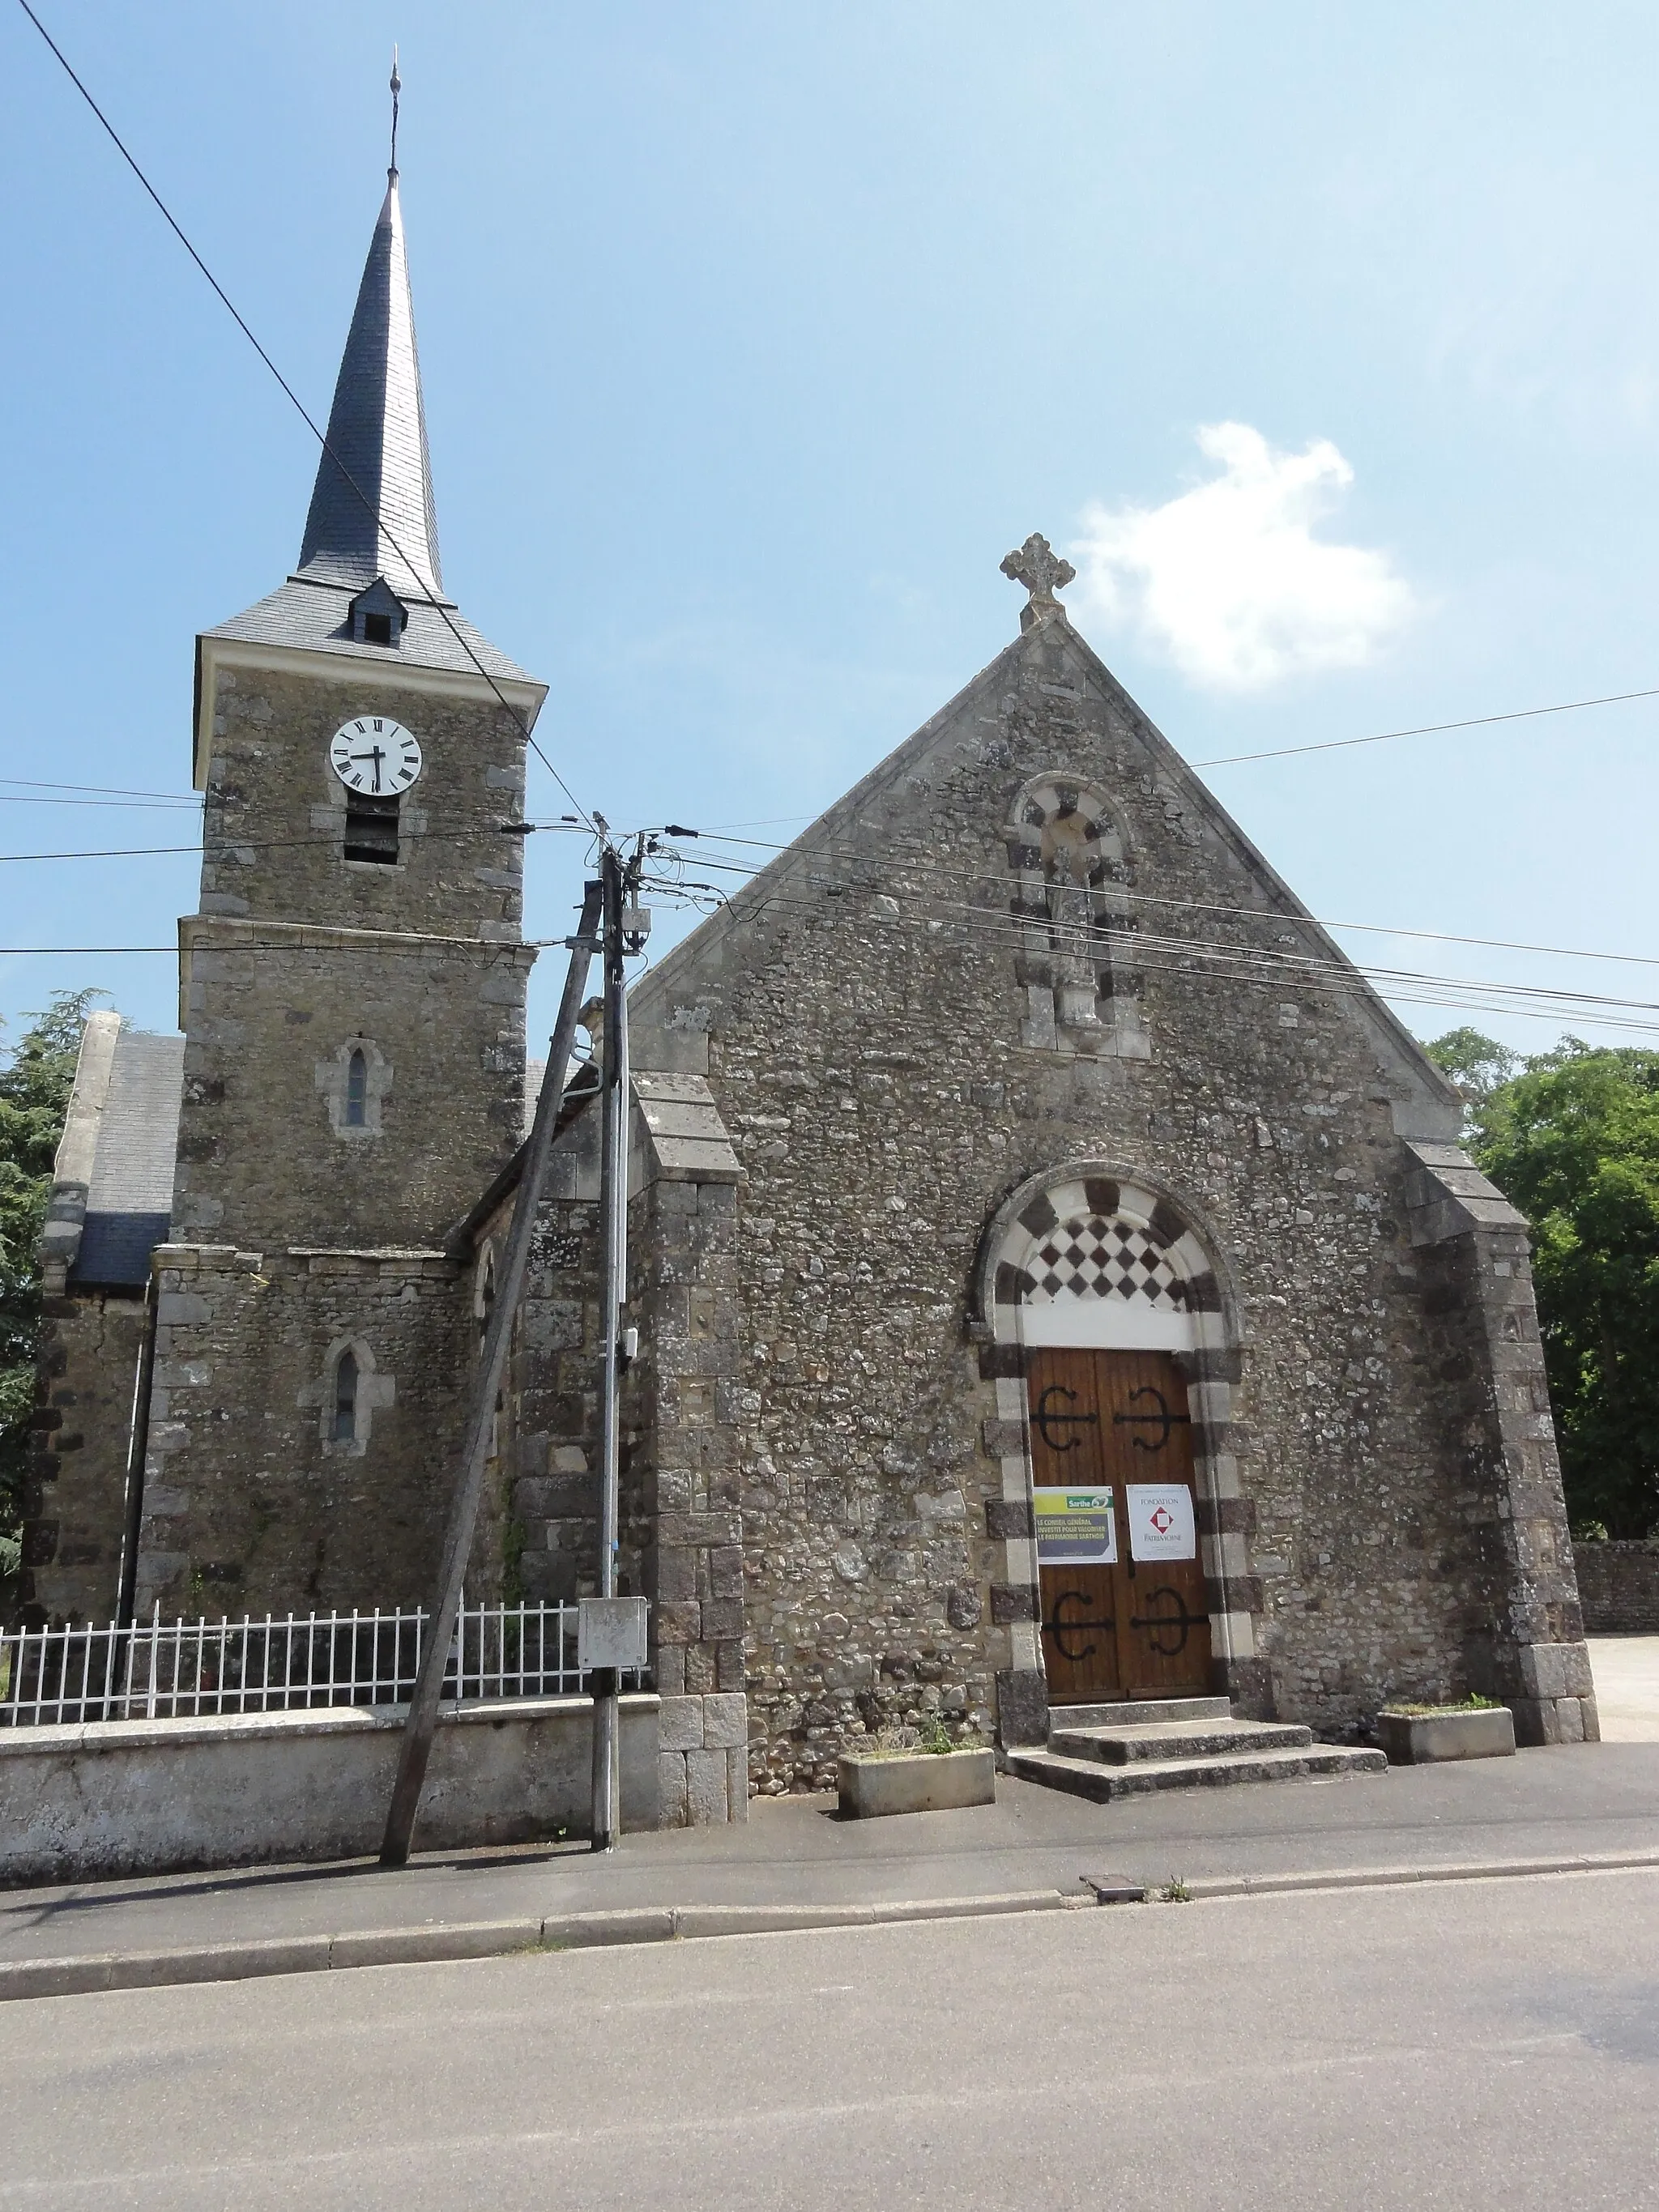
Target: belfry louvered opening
371,829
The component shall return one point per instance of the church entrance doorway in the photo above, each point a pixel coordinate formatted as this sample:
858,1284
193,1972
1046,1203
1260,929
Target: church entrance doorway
1124,1611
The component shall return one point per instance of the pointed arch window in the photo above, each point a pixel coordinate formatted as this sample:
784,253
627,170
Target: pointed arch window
346,1379
356,1089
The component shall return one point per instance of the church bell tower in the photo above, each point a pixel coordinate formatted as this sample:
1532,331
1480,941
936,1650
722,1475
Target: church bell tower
352,994
352,986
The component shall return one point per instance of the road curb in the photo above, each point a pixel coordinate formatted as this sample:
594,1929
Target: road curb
1205,1888
482,1939
250,1959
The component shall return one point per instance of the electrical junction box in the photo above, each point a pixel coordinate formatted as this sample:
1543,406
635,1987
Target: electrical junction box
610,1633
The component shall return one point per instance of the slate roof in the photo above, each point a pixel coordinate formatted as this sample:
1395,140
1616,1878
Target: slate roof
115,1249
129,1200
377,435
303,612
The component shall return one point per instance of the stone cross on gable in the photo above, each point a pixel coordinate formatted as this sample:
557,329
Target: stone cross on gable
1041,570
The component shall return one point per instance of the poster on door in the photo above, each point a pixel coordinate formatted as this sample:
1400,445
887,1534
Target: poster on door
1161,1520
1075,1527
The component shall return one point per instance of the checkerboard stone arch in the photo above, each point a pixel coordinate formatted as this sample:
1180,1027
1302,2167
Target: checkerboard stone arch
1094,1257
1097,1261
1068,853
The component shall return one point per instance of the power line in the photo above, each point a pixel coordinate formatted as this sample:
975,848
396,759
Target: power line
228,843
400,945
1228,760
1425,993
143,806
1016,931
1198,946
11,784
109,790
223,850
1230,962
1220,965
1427,729
1323,746
381,951
918,863
368,506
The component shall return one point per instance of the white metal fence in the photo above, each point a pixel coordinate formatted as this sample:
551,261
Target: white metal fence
164,1670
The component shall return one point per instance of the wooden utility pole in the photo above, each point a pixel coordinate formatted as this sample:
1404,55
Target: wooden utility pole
509,1285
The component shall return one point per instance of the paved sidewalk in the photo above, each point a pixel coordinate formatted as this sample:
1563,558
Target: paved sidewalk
1627,1670
795,1852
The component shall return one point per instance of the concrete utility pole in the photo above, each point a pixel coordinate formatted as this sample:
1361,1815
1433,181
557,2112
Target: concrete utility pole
509,1285
625,924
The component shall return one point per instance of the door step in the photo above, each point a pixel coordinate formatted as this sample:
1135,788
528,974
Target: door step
1107,1751
1131,1712
1090,1778
1188,1740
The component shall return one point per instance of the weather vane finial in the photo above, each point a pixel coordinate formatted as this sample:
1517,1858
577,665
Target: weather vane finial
397,87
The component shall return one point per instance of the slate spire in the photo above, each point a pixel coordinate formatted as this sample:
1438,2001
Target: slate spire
377,436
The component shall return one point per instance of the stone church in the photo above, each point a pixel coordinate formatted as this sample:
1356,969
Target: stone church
1057,1280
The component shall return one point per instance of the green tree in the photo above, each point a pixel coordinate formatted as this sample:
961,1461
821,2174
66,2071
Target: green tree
1477,1065
35,1082
1572,1140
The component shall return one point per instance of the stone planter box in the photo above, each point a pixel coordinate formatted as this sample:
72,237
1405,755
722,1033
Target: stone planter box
1418,1739
916,1782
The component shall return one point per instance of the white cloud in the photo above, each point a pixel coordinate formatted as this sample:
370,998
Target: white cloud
1228,580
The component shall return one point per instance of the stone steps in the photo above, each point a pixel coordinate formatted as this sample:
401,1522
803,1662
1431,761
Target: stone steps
1134,1712
1131,1749
1093,1777
1188,1740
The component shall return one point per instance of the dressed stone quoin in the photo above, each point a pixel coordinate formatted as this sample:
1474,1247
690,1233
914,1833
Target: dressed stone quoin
1058,1282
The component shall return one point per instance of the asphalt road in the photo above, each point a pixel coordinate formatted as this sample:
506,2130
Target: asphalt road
1466,2046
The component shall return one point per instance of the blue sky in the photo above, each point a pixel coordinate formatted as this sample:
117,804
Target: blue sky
1325,339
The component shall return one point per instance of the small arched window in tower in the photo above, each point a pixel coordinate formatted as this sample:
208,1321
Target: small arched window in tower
345,1399
483,1298
356,1091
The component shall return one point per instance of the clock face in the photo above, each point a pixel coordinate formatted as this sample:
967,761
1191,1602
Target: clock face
375,755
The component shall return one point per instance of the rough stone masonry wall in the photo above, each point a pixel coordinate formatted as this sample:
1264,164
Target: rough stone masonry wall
76,1486
275,820
864,1045
261,1156
547,1474
683,1525
1618,1586
247,1507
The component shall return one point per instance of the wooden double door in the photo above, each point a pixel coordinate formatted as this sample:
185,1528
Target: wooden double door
1135,1626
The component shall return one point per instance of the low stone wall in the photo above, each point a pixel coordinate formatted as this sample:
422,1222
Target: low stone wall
126,1797
1618,1588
